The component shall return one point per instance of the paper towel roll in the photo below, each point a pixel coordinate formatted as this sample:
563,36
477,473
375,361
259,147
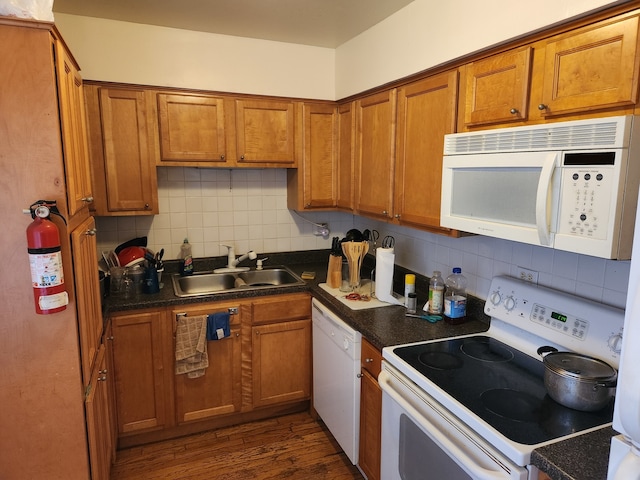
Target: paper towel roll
385,259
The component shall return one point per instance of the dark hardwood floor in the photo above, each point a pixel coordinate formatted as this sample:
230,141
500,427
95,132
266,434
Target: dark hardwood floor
290,447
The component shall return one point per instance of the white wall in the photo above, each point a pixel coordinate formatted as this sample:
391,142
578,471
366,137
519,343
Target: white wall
125,52
427,33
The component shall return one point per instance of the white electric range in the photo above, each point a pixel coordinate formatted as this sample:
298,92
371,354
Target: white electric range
475,406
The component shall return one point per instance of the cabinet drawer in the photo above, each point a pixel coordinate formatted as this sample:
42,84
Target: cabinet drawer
371,358
282,308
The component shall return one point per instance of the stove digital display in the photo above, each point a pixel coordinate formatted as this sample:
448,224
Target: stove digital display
558,316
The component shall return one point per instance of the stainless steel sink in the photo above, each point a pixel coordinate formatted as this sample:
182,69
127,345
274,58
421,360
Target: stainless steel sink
208,283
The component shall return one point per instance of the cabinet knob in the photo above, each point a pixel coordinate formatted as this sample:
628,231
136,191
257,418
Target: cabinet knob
222,157
542,106
146,206
102,379
368,360
91,232
513,111
88,199
102,372
397,215
384,212
241,157
359,375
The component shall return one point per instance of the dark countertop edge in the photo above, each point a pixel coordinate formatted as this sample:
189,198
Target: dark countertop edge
571,459
583,457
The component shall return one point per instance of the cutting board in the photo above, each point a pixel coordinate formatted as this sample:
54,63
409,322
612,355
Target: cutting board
353,304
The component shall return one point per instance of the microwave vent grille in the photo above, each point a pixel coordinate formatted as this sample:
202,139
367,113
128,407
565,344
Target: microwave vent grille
588,134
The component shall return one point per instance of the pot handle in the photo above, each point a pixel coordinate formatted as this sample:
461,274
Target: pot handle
546,349
608,383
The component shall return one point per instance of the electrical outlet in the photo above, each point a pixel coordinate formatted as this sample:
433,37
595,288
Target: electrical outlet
527,275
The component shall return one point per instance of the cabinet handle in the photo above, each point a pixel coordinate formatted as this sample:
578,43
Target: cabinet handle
91,232
368,360
542,106
514,111
88,199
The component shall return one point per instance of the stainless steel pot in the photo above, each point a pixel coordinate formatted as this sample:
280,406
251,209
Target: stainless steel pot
577,381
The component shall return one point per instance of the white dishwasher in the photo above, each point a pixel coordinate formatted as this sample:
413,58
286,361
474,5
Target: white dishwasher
336,377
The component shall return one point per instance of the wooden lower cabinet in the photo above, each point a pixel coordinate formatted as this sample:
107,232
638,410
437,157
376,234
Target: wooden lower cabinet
143,367
281,362
99,420
263,369
219,390
370,412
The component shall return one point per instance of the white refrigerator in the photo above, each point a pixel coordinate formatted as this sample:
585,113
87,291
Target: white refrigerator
624,459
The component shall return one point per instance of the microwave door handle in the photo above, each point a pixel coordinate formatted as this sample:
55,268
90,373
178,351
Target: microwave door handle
544,184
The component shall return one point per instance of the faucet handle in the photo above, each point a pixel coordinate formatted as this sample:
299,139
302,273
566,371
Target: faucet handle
259,263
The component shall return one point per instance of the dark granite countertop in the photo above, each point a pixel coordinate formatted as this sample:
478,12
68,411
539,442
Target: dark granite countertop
584,457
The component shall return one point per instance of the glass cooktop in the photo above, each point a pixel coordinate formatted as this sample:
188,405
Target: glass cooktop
501,385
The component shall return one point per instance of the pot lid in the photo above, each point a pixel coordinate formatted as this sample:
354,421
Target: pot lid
579,366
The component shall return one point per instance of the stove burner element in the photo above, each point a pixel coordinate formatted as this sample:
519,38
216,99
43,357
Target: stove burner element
440,360
482,350
512,404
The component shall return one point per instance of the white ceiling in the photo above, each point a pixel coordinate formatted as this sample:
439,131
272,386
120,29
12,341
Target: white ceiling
323,23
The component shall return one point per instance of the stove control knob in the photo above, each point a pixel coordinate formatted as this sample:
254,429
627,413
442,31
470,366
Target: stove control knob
509,303
615,342
495,298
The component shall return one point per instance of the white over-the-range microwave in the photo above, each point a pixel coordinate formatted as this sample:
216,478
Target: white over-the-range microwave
571,186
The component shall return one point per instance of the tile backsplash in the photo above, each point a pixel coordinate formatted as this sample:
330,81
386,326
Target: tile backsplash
247,208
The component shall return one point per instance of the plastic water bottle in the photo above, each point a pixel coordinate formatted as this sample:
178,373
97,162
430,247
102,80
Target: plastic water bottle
436,293
455,299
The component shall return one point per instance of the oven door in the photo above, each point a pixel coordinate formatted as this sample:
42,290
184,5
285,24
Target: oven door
422,440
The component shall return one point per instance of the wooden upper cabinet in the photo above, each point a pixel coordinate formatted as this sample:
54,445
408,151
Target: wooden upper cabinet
265,133
497,88
376,127
426,112
123,168
313,184
74,133
192,129
346,155
593,67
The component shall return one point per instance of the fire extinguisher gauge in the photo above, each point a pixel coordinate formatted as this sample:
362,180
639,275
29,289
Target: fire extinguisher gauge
42,211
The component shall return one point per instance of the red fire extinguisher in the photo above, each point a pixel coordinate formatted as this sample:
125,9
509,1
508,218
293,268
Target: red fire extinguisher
45,259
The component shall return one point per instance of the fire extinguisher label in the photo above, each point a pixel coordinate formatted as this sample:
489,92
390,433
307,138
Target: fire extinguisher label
49,302
46,270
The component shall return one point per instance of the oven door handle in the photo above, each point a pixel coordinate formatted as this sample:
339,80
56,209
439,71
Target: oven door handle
385,379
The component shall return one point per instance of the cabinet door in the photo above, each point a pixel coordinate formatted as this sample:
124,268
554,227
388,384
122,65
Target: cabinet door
319,157
281,362
74,133
346,155
370,412
497,88
218,391
265,132
191,129
594,68
143,370
87,288
376,120
123,171
426,112
98,420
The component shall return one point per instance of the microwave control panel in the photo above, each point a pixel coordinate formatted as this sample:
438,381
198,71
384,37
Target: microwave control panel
587,195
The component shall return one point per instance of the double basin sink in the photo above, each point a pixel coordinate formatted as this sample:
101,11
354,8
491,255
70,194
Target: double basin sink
207,283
